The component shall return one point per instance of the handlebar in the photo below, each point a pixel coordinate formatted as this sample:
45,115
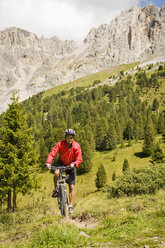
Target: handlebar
62,168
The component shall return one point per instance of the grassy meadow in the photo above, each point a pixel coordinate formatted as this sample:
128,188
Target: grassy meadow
121,222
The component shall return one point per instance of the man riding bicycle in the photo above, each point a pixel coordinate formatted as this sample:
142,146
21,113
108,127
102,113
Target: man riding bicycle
70,155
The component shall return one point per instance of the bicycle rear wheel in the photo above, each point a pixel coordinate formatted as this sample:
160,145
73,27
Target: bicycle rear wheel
62,191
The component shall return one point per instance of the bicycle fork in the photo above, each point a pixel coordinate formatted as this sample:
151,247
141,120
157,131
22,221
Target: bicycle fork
58,194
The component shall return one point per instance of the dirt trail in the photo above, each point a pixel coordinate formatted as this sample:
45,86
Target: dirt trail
82,222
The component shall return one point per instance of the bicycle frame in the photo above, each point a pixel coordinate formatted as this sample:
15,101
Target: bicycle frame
61,190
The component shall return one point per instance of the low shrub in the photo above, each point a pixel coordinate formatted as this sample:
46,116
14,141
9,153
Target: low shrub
137,182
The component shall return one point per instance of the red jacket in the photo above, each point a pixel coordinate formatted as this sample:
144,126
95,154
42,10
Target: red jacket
67,156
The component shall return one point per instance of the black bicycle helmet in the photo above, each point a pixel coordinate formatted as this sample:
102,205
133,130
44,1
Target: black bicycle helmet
70,132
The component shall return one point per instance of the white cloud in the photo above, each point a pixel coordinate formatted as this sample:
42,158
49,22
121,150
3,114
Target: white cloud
66,19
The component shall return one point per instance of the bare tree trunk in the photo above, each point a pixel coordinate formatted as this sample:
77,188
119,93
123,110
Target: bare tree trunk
14,199
9,200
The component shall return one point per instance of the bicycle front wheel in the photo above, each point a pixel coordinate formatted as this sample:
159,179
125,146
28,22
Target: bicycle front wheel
62,191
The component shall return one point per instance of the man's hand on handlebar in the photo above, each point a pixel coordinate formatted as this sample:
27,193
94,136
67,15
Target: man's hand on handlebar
72,165
48,166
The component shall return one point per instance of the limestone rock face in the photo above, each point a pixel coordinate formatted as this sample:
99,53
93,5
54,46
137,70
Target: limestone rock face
15,37
29,64
130,37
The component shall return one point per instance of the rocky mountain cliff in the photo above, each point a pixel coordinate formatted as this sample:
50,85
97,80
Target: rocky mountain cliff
30,64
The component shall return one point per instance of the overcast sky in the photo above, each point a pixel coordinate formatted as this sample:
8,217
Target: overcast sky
66,19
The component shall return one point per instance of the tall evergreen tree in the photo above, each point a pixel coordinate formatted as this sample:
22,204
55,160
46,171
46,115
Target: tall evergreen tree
90,139
149,134
58,136
17,155
161,123
81,136
111,138
49,136
118,131
138,130
87,153
69,119
101,177
128,132
101,132
43,151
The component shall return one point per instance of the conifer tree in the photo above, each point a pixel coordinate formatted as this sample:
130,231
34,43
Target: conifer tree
113,176
81,136
161,123
118,132
149,133
69,119
125,165
160,68
31,120
43,151
128,132
101,177
58,136
90,139
87,153
158,155
155,104
101,132
94,94
138,130
111,138
49,136
17,155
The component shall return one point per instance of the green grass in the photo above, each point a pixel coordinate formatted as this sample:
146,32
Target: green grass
128,221
88,80
131,222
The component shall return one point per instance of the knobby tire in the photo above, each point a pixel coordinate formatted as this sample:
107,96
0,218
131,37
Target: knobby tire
62,199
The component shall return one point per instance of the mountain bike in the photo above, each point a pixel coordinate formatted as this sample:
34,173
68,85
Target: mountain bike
62,198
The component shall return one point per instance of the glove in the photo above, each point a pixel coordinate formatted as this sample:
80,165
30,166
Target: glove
48,166
73,165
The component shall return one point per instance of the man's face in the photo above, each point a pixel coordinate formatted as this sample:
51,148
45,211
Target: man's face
69,139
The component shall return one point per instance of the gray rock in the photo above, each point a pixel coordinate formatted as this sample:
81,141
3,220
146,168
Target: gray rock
84,234
29,64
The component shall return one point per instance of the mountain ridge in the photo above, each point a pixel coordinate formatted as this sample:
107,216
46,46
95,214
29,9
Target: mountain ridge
30,64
